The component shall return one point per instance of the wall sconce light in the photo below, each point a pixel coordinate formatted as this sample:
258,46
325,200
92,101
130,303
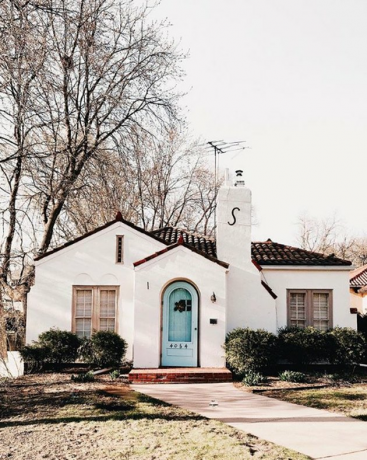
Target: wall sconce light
213,298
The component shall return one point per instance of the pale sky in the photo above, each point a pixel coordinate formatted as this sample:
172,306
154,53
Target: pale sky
290,78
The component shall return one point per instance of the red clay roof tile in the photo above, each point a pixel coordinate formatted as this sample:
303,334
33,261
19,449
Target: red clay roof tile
263,253
359,277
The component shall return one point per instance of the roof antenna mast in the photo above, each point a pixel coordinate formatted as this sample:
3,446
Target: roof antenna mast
219,148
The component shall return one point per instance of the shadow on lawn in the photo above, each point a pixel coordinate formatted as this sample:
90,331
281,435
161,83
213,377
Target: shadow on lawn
111,407
17,405
350,397
102,418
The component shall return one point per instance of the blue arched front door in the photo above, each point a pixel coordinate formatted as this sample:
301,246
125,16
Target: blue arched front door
180,325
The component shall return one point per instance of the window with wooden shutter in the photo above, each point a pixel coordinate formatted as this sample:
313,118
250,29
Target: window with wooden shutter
321,310
94,308
83,312
310,307
297,309
107,310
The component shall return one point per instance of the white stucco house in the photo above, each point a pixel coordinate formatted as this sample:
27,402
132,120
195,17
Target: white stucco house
173,295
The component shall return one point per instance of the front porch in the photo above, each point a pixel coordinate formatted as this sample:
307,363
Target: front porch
181,375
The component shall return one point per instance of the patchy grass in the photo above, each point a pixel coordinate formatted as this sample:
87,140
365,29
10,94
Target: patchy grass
51,417
350,400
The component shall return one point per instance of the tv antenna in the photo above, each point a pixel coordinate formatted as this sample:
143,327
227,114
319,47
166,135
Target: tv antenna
220,147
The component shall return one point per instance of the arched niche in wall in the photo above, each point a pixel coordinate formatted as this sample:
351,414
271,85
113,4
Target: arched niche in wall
108,279
83,278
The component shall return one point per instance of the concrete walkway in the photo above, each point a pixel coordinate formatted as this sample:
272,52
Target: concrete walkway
317,433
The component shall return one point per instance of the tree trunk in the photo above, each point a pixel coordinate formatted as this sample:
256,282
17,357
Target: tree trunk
3,344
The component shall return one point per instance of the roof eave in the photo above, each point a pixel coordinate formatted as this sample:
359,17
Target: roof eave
97,230
305,267
176,245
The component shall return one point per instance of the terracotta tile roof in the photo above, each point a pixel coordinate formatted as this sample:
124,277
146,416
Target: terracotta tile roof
270,253
263,253
202,243
358,277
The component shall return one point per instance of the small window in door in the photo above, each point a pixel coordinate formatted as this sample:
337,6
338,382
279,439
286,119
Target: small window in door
180,316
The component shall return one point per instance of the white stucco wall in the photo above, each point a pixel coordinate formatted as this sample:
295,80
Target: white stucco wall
183,264
90,261
334,278
249,303
12,366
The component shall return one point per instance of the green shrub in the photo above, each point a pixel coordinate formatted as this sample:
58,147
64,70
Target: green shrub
249,350
252,379
34,356
343,378
103,349
303,346
346,346
61,346
115,374
292,376
53,346
85,377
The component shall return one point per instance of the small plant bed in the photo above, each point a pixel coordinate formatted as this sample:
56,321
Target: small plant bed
56,417
292,380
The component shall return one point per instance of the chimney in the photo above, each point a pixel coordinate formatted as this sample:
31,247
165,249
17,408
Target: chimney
234,223
239,181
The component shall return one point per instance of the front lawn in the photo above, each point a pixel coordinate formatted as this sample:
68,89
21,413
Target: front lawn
350,400
48,416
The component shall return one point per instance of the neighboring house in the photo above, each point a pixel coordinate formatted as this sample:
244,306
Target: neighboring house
358,289
173,295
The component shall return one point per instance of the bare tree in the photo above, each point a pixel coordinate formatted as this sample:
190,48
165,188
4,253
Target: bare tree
153,182
329,236
74,75
22,56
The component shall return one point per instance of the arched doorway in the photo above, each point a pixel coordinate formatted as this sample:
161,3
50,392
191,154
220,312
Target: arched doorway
180,325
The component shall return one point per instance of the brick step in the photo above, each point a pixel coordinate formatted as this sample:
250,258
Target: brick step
180,375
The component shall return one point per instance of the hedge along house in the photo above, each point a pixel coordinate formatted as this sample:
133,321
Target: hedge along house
173,295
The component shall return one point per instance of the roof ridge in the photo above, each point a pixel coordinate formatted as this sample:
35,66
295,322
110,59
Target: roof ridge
188,232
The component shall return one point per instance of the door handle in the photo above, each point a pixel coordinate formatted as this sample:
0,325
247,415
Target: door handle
195,329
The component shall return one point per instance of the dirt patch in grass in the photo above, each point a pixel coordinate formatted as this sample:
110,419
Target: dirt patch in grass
50,417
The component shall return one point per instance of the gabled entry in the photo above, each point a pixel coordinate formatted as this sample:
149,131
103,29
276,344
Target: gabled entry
180,325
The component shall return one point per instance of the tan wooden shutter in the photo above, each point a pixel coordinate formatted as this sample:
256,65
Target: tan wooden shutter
107,312
321,309
297,309
83,312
